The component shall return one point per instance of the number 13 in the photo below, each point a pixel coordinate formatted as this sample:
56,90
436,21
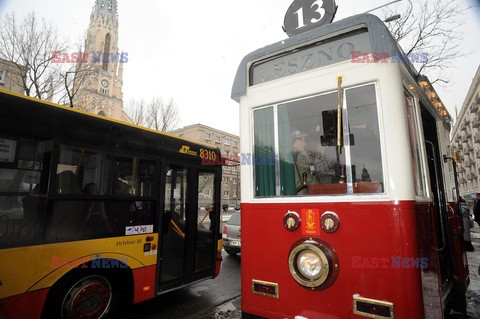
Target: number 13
319,10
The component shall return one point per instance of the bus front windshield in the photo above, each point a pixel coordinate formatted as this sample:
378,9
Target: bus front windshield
302,156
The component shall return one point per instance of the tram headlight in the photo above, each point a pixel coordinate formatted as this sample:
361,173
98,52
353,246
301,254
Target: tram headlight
309,264
313,263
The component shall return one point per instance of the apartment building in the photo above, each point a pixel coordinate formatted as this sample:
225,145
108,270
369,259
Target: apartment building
466,141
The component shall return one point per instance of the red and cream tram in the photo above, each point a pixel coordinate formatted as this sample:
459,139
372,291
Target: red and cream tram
348,203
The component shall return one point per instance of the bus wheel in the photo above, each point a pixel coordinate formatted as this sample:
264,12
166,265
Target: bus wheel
90,297
85,295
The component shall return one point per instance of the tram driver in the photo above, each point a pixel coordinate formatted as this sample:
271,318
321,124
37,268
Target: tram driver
304,172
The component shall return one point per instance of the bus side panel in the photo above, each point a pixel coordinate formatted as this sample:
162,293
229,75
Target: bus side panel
377,249
23,306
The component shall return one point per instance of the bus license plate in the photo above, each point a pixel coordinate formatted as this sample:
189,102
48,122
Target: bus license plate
235,243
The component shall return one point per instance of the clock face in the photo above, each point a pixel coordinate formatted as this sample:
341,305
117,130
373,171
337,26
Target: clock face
104,83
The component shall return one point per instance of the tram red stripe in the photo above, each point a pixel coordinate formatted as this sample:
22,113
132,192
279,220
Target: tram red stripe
144,283
28,305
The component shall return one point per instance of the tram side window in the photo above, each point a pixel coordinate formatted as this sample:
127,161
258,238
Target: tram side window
413,129
24,166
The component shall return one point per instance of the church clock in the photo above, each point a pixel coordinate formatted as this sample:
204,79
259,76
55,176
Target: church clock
104,83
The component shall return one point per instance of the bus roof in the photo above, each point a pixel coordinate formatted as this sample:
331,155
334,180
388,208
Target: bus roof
380,39
23,113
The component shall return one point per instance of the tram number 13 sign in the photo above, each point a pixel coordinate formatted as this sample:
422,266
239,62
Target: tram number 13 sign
305,15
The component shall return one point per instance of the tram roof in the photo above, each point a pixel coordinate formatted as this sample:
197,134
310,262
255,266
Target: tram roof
381,40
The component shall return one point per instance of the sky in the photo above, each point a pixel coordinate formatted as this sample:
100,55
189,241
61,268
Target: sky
190,50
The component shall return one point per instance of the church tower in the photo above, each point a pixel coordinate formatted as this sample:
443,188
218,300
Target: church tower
101,91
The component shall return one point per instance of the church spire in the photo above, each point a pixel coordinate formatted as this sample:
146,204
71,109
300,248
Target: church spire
108,7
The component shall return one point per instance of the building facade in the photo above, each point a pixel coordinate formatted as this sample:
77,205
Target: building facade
229,145
466,141
12,76
101,91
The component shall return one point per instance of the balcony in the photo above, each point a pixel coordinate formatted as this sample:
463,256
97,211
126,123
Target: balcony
474,107
470,146
471,176
476,138
467,162
476,123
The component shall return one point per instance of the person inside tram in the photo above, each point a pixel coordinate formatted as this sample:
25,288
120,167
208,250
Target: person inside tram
304,172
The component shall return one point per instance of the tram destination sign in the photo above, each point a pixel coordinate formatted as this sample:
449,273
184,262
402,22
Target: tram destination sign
309,58
304,15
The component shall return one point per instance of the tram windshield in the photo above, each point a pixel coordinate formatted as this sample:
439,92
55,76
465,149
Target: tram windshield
301,157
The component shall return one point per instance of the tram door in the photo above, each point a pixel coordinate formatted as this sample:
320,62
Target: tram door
444,244
187,236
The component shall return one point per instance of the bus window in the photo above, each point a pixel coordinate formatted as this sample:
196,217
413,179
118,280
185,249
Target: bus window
84,165
205,220
23,174
365,152
174,224
100,196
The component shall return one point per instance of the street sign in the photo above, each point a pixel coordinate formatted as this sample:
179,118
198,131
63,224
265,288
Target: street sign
305,15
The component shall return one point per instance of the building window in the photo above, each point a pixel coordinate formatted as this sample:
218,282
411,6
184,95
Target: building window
106,51
207,192
2,76
235,193
226,141
235,143
225,193
217,139
234,181
208,136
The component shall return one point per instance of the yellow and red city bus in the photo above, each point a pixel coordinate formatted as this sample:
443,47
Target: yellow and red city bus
96,214
348,201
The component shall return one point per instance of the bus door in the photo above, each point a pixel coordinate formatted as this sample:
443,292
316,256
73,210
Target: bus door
444,244
188,221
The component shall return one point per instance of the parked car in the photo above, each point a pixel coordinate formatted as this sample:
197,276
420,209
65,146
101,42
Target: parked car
231,235
237,207
225,207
